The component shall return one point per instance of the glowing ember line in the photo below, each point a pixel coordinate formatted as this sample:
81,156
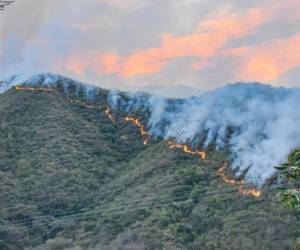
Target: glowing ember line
185,148
88,106
240,184
109,114
253,192
33,89
143,130
188,150
75,101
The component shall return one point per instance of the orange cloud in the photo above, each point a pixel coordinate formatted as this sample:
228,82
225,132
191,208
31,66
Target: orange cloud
207,44
210,36
262,68
73,64
108,63
268,62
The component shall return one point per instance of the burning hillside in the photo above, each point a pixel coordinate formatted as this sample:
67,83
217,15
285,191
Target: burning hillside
259,124
71,138
146,137
250,120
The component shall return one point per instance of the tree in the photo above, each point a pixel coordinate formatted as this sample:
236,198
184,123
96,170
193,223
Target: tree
291,195
291,171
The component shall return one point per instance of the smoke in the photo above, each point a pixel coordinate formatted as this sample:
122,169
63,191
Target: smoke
259,124
19,24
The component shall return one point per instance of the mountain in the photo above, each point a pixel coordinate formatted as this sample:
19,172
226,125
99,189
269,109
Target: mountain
77,175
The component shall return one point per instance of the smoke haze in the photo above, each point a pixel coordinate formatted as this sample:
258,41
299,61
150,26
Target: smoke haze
258,123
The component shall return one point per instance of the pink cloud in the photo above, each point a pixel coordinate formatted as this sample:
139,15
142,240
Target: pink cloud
210,36
208,44
268,62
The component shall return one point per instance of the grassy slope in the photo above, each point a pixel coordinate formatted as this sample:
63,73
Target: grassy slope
58,159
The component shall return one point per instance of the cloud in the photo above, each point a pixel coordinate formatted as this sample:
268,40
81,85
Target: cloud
152,42
18,27
269,62
292,77
210,36
128,5
209,44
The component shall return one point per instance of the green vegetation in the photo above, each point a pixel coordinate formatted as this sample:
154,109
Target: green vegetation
291,171
70,178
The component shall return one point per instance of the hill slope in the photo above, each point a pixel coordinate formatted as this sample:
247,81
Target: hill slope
71,177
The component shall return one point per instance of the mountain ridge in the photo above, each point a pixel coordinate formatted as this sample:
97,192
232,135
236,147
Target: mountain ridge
72,177
239,115
51,78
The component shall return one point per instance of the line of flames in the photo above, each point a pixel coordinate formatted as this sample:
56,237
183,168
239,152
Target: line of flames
146,137
88,106
238,183
188,150
34,89
107,110
108,113
142,128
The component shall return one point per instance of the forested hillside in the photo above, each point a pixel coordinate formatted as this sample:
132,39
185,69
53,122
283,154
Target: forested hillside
71,177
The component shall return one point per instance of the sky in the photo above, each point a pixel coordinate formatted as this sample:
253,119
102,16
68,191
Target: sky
171,47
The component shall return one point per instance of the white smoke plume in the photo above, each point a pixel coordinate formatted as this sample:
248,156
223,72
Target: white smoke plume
259,124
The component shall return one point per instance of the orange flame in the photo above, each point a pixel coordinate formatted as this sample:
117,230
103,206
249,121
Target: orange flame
34,89
109,114
88,106
253,192
188,150
143,130
76,101
242,190
221,173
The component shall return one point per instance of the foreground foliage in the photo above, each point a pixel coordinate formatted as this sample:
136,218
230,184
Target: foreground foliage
291,171
73,179
291,194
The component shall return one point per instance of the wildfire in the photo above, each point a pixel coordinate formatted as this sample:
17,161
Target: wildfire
221,173
143,130
34,89
146,138
188,150
254,192
109,114
240,184
75,101
88,106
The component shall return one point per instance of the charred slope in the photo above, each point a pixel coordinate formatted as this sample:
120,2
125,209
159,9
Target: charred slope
70,176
